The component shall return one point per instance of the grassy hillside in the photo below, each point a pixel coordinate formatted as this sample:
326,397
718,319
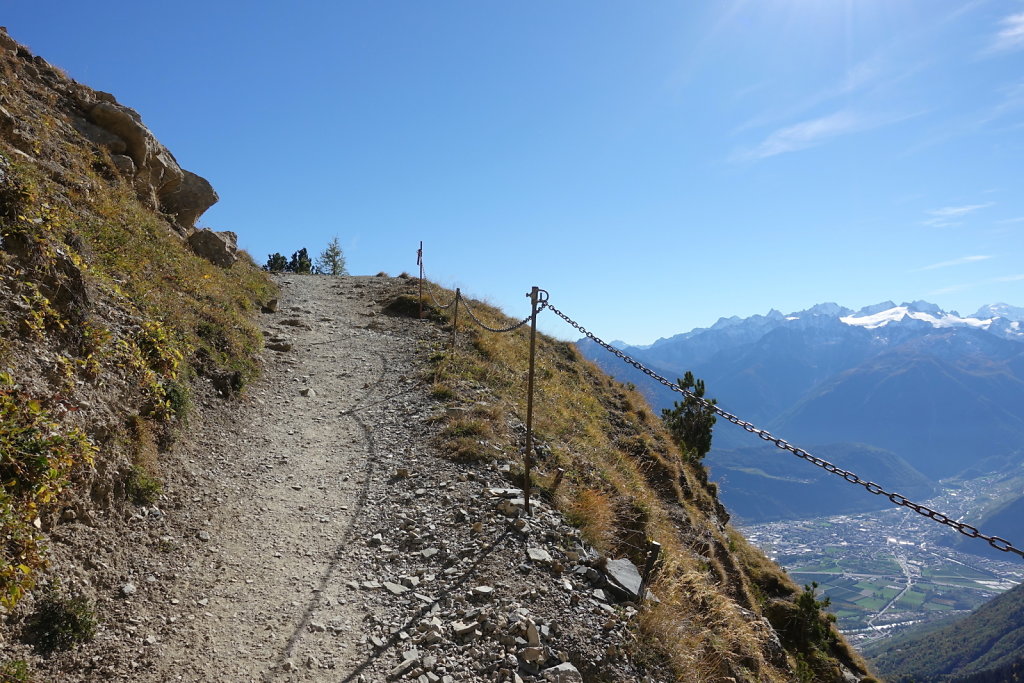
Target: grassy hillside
626,482
107,323
977,647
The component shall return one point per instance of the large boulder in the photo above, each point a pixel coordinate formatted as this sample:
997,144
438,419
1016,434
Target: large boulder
563,673
191,198
158,179
99,136
219,248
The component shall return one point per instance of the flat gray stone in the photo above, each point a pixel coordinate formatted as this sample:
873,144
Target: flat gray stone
539,555
563,673
624,575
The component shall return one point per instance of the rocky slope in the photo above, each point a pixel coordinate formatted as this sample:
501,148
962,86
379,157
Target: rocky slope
108,319
317,530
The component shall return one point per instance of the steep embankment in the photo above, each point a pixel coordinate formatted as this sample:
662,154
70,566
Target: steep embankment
109,321
355,514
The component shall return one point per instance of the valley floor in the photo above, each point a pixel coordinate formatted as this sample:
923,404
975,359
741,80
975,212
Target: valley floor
885,571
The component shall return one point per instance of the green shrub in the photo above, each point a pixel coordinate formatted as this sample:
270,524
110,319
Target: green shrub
15,671
37,456
142,488
60,622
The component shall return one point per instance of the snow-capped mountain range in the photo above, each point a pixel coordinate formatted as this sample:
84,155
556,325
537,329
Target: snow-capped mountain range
1000,319
939,391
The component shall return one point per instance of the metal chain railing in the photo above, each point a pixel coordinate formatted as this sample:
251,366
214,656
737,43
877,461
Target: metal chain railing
437,303
500,330
870,486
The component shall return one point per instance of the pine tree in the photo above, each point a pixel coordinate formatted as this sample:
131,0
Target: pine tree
331,260
690,421
300,263
276,263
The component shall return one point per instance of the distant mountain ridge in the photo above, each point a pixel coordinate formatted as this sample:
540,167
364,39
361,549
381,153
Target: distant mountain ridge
940,390
998,318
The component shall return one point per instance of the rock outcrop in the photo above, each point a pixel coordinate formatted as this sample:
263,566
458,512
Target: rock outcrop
118,130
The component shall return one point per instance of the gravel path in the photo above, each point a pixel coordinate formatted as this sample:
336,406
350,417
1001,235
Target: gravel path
290,474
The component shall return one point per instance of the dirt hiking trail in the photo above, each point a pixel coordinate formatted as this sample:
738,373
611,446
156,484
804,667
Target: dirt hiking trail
279,483
310,530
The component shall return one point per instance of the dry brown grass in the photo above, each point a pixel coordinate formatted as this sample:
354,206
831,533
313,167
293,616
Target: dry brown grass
593,511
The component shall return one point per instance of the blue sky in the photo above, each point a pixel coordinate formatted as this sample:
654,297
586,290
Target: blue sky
653,165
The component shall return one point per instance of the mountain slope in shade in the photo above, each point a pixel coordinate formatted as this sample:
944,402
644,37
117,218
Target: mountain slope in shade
764,483
982,646
1005,520
943,401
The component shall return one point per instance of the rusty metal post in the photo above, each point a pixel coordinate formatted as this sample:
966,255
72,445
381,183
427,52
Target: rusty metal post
419,262
455,316
653,551
528,456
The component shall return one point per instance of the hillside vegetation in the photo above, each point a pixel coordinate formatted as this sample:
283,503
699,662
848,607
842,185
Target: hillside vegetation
722,607
108,321
986,645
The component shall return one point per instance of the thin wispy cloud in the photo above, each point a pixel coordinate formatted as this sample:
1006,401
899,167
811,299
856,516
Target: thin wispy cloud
949,215
1011,220
955,262
816,131
861,76
1010,36
972,285
1011,101
951,211
804,135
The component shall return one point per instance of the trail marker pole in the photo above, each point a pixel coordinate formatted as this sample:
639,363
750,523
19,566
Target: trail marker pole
559,473
653,551
455,316
419,262
528,456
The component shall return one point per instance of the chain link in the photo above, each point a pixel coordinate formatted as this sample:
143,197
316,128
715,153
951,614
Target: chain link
870,486
510,328
437,303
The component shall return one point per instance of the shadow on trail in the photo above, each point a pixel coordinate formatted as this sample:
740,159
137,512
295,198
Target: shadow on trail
343,547
427,608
